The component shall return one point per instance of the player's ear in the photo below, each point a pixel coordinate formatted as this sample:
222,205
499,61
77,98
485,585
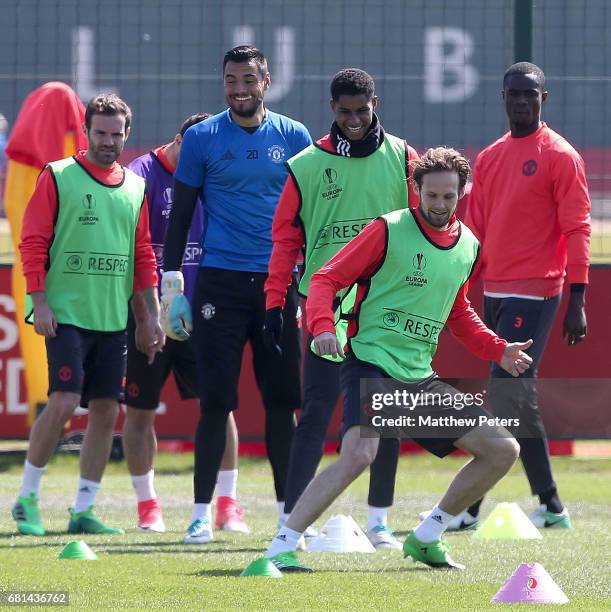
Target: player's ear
374,102
267,80
178,139
127,131
543,96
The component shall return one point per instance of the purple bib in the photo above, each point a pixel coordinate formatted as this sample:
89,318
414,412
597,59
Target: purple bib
160,195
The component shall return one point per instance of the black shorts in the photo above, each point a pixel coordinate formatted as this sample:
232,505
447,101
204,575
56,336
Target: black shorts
144,382
90,363
228,311
359,379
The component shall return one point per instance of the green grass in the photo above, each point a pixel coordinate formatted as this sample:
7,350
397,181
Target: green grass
142,571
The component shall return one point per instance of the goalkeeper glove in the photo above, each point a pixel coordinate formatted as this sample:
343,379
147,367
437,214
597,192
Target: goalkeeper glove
176,318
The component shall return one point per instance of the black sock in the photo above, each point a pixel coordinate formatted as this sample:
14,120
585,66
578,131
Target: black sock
279,429
552,501
382,474
210,437
473,509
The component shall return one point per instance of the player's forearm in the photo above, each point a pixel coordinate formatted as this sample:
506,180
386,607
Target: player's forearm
319,306
145,304
466,326
185,198
281,266
39,298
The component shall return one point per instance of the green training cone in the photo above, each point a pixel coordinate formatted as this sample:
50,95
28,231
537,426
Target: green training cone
262,567
77,549
507,522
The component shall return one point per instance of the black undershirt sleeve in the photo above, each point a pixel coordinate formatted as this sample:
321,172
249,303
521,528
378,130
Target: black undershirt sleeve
179,223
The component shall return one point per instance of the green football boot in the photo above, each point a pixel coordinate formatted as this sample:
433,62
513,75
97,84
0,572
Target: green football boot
434,554
26,513
87,522
542,518
288,562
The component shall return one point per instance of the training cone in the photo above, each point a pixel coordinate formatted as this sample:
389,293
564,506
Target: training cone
341,534
507,522
77,549
262,567
530,583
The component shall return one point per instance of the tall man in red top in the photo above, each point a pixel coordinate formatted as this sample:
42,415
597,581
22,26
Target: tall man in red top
86,249
350,176
530,209
411,270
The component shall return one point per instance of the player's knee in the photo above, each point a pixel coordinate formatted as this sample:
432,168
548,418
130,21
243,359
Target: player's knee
61,407
359,455
313,426
139,421
104,413
503,453
215,400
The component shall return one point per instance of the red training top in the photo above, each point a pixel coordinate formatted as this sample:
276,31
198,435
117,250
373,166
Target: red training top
530,209
360,258
287,233
39,224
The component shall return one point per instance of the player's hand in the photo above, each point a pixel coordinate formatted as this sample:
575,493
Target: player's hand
45,322
574,327
272,329
176,317
327,344
150,338
514,359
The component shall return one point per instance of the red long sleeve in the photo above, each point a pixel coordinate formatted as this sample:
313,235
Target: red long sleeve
357,259
530,209
287,243
413,199
466,326
360,258
39,224
37,232
145,262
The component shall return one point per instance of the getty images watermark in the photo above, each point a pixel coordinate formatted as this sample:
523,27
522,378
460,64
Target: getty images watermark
569,408
443,402
427,409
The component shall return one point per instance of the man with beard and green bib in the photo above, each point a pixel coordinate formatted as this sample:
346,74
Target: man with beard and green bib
411,270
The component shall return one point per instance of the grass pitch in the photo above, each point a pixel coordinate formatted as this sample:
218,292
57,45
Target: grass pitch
146,571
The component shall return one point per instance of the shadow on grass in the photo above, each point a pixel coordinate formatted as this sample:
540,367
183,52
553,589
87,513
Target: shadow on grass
403,534
11,459
215,573
170,547
220,573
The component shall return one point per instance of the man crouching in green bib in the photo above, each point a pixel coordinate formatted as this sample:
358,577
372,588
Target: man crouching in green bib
411,269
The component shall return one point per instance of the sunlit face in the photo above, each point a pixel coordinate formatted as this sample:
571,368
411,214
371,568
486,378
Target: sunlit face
245,87
523,99
439,196
106,136
354,114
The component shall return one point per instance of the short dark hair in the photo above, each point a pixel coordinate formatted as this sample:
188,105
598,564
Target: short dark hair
107,104
352,82
526,68
441,159
192,120
246,53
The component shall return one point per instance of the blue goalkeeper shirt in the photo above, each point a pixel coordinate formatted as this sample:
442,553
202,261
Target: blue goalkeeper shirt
242,175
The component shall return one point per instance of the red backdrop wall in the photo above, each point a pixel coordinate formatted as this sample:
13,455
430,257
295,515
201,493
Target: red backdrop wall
579,408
